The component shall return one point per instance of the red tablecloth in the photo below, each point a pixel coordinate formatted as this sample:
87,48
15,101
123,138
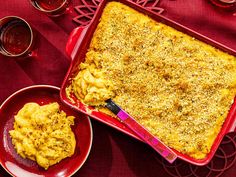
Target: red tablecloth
113,154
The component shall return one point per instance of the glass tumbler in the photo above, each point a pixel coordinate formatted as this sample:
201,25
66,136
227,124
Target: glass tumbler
51,8
16,37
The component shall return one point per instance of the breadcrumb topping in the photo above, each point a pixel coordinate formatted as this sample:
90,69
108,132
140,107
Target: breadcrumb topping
178,87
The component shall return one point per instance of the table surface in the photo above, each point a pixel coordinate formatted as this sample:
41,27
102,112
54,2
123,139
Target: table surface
113,154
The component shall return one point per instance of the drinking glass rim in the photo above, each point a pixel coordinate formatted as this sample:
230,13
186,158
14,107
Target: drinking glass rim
48,11
31,36
228,2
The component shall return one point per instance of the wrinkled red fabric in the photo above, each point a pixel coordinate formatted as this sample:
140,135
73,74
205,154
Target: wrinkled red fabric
113,154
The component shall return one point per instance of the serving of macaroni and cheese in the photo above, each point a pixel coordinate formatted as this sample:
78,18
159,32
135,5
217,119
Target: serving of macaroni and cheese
43,134
178,87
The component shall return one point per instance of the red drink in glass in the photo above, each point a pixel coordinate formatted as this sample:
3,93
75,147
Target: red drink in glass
51,7
16,36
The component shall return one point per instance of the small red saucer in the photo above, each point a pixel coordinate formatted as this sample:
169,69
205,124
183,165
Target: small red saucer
14,164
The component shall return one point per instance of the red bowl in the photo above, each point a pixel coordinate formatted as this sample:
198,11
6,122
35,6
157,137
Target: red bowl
76,49
14,164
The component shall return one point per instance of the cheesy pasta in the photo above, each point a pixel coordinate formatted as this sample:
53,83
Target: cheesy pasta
43,134
178,87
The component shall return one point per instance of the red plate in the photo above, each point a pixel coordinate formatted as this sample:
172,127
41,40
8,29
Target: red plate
76,49
15,164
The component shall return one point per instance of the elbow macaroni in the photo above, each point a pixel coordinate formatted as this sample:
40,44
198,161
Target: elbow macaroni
91,86
43,134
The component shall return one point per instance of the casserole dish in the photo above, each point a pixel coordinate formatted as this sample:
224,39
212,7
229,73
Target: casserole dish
82,45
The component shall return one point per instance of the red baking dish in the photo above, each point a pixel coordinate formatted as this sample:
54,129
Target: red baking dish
77,46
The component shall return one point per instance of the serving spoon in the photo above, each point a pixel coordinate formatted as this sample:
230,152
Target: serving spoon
154,142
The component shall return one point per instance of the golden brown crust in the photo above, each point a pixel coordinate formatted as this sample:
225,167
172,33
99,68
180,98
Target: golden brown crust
179,88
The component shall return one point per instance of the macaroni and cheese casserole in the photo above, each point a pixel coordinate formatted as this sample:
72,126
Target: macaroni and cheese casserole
176,86
43,134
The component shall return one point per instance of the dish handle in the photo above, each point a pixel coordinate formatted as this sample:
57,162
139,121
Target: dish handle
74,41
